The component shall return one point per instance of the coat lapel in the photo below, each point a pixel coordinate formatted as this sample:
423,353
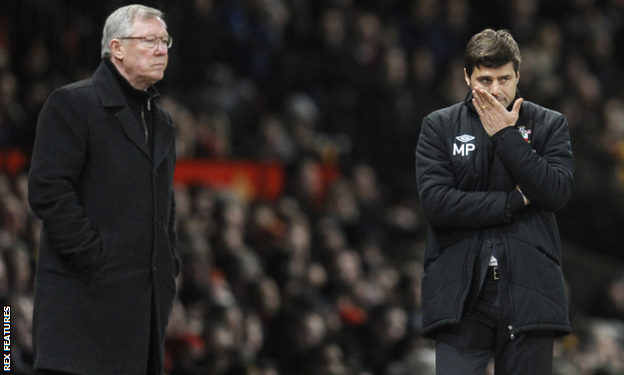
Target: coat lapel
164,132
133,129
112,96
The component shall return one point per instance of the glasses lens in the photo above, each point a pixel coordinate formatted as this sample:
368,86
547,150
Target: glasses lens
152,42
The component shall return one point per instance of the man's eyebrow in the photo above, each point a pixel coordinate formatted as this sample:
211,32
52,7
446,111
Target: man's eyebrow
489,76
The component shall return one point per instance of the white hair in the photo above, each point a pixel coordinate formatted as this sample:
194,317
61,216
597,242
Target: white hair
119,23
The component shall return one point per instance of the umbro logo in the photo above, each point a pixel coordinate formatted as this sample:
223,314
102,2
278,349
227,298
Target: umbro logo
465,138
465,148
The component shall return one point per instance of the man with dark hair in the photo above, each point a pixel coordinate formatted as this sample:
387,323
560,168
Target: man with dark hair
491,172
101,181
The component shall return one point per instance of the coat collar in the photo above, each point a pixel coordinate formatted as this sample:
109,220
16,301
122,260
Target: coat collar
132,94
113,95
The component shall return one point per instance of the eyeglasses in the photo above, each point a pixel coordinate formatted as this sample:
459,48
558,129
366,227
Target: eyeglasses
152,42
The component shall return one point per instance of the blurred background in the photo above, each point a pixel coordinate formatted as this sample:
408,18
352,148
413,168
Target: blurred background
300,228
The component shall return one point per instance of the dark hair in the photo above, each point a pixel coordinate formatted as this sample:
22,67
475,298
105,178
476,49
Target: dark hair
491,49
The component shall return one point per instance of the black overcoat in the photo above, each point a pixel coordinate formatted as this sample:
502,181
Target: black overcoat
106,265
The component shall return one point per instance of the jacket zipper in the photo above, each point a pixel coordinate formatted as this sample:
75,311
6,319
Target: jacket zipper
143,118
510,327
492,177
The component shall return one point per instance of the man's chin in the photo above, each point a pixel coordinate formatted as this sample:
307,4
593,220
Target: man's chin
157,76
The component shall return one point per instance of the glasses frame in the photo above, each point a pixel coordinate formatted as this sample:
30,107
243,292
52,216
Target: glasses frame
147,40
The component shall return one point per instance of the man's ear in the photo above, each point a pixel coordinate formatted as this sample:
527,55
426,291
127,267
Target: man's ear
117,49
466,77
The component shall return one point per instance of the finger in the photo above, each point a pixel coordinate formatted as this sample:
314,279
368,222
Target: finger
516,106
488,99
475,103
478,93
478,100
479,106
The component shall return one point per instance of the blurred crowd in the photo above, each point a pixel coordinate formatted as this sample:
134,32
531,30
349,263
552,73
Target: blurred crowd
324,280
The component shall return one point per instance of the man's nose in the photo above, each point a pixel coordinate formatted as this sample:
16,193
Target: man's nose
161,48
495,89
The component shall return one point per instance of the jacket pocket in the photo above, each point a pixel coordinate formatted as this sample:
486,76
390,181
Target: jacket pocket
535,271
545,248
445,277
107,243
537,286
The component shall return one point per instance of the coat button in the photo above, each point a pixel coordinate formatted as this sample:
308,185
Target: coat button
488,244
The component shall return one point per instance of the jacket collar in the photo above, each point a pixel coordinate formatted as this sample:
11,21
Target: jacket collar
113,95
131,92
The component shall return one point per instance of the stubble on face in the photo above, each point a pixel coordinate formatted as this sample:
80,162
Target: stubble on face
500,82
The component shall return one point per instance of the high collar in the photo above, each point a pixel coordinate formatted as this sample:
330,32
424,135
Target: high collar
134,94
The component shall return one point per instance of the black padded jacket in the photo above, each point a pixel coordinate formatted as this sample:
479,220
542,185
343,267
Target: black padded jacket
467,186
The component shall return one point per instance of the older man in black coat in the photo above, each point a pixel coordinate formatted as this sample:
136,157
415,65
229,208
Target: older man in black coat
101,181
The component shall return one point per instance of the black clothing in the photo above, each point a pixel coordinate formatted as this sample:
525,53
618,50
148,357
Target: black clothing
469,344
467,185
107,264
140,101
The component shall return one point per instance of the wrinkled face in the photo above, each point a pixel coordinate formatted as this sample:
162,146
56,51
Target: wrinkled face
142,65
500,82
